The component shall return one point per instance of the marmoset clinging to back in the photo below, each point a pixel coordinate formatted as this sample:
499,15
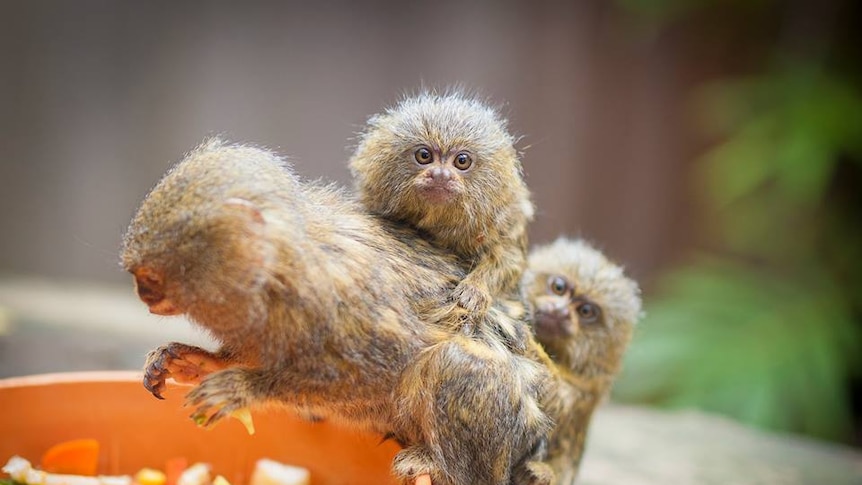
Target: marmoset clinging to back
320,306
584,312
445,164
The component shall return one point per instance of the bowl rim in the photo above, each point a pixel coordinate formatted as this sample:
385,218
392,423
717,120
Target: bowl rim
74,377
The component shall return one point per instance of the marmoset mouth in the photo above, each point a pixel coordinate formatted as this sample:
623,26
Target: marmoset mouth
165,308
552,324
437,193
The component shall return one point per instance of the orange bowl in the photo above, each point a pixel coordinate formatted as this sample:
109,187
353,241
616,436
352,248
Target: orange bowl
136,430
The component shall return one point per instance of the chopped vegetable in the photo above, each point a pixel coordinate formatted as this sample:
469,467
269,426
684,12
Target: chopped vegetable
269,472
244,416
150,476
177,471
197,474
22,471
74,457
174,468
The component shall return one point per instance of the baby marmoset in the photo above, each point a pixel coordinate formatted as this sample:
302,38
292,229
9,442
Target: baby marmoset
320,306
584,312
445,164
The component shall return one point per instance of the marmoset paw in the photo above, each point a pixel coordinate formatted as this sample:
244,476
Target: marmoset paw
219,395
413,466
472,299
183,363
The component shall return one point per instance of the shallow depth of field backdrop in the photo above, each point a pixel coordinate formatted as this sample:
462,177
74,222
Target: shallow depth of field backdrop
712,147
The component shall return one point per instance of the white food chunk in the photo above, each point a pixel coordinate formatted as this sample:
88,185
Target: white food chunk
197,474
270,472
22,471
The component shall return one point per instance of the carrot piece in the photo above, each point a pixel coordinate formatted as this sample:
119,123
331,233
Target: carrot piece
73,457
175,467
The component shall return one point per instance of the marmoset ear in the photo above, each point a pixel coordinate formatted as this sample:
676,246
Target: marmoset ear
244,210
240,228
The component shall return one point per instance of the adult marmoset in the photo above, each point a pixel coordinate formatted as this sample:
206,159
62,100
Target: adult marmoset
445,164
584,312
320,306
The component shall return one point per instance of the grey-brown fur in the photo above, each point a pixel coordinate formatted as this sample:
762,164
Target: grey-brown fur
323,308
587,351
483,211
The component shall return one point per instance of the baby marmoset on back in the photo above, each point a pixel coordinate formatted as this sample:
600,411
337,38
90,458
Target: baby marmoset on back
446,165
584,312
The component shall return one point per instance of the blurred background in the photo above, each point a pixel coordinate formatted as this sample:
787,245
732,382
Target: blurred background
712,147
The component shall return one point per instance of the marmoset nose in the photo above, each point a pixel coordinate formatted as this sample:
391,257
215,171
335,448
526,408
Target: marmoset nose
149,288
560,312
440,174
552,319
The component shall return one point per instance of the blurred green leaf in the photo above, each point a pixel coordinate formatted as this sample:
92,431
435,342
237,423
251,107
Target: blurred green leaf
769,352
785,127
772,336
742,164
663,11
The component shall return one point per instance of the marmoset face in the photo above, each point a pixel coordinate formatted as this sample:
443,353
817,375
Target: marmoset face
449,156
441,173
560,311
584,306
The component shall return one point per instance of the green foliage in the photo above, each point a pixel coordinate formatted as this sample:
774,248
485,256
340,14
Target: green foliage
768,350
766,332
661,11
786,129
768,181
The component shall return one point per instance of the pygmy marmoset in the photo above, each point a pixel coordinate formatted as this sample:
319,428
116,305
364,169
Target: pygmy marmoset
584,312
322,307
446,165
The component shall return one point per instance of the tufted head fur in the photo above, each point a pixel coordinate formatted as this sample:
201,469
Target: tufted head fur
585,307
445,164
